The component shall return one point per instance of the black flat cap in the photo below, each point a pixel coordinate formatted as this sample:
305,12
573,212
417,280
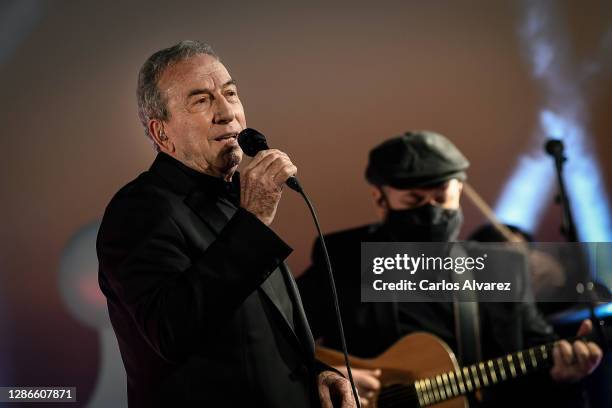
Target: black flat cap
415,159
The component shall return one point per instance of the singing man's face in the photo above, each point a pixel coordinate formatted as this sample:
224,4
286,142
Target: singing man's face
205,115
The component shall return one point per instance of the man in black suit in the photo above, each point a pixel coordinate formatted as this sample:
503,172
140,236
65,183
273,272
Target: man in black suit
205,311
416,183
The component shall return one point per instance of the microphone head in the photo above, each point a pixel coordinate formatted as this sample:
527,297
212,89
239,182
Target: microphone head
251,142
554,147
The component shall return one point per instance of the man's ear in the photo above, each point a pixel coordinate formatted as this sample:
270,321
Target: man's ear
379,201
377,196
156,130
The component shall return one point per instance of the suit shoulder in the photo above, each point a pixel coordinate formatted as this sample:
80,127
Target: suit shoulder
146,189
146,184
139,205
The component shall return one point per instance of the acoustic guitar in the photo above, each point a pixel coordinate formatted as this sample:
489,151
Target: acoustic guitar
420,370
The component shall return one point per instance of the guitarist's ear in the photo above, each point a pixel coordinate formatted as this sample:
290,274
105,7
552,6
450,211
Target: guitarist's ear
380,202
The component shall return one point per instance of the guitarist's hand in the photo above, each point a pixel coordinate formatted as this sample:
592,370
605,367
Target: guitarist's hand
335,390
575,361
366,381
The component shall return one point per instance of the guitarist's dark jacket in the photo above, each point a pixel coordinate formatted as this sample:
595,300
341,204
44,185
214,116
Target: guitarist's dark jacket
205,311
372,327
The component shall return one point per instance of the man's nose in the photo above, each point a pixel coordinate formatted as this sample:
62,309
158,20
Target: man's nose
224,111
434,198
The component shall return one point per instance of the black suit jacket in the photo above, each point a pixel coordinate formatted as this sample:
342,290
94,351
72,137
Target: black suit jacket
373,327
205,311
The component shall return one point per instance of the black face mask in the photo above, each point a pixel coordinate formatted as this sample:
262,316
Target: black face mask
428,223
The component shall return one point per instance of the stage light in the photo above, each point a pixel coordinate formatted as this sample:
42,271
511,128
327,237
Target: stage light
527,193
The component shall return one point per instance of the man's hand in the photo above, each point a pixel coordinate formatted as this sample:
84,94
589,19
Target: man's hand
261,183
366,381
573,362
334,390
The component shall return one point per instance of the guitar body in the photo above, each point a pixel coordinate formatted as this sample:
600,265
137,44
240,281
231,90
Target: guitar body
413,357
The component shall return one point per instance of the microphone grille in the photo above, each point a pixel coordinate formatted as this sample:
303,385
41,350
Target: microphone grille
251,142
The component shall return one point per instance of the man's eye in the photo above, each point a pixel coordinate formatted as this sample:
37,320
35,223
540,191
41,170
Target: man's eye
231,93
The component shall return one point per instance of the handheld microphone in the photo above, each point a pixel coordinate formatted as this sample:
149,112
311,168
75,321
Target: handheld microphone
252,142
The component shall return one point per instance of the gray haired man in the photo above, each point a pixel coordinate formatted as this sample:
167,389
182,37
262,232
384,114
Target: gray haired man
204,308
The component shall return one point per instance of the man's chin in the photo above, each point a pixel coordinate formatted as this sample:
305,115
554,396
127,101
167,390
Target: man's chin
231,160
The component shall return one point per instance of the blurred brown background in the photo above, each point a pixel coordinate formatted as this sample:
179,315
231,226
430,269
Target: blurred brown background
324,81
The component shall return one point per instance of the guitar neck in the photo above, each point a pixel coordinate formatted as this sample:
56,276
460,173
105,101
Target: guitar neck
467,379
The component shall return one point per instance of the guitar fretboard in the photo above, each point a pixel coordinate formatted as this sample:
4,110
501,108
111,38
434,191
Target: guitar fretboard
483,374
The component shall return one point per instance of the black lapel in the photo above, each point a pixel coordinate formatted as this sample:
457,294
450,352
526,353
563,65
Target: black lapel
215,213
300,321
269,290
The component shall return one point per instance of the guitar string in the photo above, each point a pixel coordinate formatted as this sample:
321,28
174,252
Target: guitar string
400,389
403,393
396,390
399,396
390,393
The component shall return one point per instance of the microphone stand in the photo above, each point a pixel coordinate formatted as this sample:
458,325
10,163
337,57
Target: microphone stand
555,148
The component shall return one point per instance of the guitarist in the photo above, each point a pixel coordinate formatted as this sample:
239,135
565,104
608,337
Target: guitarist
416,184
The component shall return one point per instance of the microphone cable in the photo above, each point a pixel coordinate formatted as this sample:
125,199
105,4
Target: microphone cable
332,284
